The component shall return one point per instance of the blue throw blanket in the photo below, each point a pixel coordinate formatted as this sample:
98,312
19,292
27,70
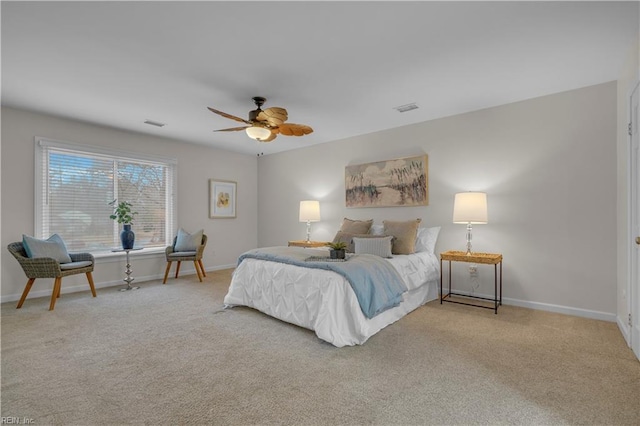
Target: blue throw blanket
375,282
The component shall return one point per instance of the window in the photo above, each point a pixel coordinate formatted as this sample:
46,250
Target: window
75,184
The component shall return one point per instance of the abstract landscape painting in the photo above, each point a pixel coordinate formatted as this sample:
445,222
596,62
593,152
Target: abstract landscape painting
392,183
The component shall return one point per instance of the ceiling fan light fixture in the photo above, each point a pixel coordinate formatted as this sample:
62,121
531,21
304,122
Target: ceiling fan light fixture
258,133
265,125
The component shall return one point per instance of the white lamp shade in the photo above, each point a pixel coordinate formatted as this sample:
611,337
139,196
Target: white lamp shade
470,207
258,133
309,211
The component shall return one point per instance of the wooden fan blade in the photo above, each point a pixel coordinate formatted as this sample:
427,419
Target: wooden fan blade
291,129
275,116
224,114
231,129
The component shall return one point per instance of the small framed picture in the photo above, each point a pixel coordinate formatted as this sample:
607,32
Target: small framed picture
222,199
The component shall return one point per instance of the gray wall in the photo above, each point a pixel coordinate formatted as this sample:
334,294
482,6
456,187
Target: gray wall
228,238
547,164
549,168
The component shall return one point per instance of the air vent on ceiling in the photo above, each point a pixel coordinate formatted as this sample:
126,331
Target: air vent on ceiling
154,123
407,107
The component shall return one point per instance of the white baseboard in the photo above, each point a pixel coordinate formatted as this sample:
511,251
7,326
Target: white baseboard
568,310
624,329
85,287
635,340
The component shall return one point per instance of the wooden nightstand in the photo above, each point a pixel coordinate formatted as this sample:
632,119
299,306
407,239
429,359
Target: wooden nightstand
494,259
307,244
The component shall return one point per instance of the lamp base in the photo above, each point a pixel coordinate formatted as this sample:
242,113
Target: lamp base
469,239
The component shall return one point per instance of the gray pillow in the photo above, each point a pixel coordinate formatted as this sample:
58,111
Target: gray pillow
187,241
53,247
380,246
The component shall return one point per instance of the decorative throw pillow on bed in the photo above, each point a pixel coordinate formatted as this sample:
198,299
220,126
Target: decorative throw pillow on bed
376,230
53,247
347,238
187,241
356,226
379,246
405,234
426,239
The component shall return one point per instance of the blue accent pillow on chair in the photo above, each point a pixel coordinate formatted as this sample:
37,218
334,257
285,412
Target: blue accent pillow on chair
53,247
187,241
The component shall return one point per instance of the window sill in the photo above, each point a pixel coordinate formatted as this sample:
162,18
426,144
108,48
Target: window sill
106,257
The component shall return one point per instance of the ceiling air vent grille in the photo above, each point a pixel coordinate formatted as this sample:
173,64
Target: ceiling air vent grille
154,123
407,107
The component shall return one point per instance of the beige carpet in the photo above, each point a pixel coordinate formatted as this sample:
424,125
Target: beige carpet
171,355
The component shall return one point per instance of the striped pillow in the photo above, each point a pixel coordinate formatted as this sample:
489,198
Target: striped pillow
376,246
347,238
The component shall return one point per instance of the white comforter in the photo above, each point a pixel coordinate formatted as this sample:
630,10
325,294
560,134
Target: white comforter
323,301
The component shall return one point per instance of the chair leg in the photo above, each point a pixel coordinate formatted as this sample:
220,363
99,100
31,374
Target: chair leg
204,274
195,263
178,268
90,279
56,290
166,272
27,288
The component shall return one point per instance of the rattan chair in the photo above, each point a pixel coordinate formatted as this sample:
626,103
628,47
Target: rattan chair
179,256
46,267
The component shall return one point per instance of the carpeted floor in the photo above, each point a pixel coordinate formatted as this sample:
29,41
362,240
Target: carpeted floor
169,354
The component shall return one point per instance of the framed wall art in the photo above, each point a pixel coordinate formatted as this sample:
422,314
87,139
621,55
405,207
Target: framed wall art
222,199
391,183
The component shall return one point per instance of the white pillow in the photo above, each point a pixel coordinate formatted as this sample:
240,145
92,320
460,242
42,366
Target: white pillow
187,241
376,230
426,239
376,246
53,247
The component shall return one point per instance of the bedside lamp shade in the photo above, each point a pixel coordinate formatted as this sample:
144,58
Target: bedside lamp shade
470,208
309,212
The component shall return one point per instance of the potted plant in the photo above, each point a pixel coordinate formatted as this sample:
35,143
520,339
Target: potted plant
122,213
337,250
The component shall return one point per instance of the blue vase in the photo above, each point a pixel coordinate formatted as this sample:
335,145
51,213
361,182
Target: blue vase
127,237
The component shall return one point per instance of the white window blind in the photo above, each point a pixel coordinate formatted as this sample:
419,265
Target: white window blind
75,184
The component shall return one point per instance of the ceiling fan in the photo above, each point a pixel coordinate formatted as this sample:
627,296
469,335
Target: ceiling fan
264,126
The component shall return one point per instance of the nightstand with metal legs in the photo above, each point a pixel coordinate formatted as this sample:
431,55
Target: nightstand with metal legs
494,259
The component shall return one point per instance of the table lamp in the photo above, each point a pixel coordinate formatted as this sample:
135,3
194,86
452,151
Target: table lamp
470,208
309,212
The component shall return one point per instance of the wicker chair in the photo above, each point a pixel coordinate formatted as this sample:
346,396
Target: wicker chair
46,267
179,256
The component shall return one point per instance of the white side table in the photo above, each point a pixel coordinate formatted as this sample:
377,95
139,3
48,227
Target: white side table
128,271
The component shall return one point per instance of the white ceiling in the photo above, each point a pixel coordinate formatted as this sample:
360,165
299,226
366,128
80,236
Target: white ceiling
340,67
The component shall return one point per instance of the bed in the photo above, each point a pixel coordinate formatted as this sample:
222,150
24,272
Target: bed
323,300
